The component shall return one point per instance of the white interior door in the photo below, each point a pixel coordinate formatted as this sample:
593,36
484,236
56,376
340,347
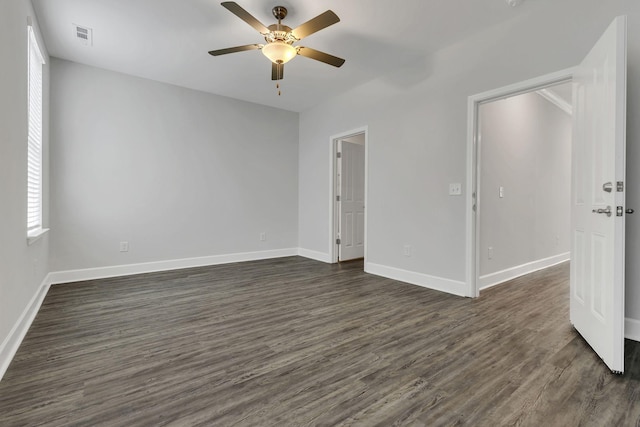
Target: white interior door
598,200
351,202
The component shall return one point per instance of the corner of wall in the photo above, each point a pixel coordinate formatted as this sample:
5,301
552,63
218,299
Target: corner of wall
632,329
12,342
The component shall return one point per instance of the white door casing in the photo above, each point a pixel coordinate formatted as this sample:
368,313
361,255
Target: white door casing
351,192
598,158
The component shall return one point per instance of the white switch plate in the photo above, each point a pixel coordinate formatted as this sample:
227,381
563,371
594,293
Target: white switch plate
407,250
124,246
490,252
501,192
455,189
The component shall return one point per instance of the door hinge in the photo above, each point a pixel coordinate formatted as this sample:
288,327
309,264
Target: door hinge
337,198
339,154
337,241
619,211
620,187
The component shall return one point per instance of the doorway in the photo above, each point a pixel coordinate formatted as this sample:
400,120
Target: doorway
524,183
348,196
474,164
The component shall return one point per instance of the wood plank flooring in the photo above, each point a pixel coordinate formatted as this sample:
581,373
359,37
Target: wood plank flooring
293,342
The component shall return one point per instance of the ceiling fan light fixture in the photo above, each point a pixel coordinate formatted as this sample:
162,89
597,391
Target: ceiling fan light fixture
279,52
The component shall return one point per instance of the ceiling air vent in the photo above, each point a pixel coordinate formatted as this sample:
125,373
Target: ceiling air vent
84,35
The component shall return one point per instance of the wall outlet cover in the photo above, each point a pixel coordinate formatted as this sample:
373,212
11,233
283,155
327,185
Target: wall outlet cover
455,189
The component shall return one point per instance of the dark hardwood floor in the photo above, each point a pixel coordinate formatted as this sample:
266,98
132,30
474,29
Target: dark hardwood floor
292,342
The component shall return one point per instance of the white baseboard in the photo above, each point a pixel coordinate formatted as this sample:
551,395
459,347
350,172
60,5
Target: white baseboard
632,329
318,256
12,342
498,277
426,281
176,264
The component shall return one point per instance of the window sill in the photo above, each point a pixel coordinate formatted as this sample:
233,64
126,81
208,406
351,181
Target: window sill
34,236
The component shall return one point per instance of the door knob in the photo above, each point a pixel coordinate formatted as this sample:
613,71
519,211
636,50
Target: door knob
629,211
607,186
606,211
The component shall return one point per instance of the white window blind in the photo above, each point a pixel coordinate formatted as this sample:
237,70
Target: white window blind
34,136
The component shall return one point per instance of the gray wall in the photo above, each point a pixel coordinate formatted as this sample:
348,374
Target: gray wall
175,172
22,267
417,120
525,148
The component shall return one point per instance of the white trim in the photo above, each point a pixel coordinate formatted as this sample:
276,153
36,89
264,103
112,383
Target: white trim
473,290
473,102
493,279
333,252
36,38
314,255
12,342
176,264
632,329
36,235
419,279
556,100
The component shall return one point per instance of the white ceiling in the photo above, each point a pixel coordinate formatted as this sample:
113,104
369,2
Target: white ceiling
168,41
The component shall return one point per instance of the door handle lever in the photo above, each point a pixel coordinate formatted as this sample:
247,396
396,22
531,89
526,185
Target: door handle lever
606,211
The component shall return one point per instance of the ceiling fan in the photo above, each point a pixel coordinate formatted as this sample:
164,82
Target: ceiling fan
280,38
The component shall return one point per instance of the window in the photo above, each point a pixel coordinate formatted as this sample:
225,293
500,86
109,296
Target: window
34,138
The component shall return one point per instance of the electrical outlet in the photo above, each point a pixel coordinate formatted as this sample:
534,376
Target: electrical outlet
407,250
490,252
455,189
124,246
263,236
501,192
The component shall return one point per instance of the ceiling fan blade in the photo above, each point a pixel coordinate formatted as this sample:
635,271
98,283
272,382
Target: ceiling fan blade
277,71
320,56
235,8
234,49
315,24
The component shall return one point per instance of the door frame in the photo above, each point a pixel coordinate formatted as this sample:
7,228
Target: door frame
474,159
333,191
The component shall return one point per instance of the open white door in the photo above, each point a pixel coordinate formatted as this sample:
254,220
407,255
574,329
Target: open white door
598,196
351,189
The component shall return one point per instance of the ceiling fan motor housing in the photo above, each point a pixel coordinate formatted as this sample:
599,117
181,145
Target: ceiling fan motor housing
280,33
